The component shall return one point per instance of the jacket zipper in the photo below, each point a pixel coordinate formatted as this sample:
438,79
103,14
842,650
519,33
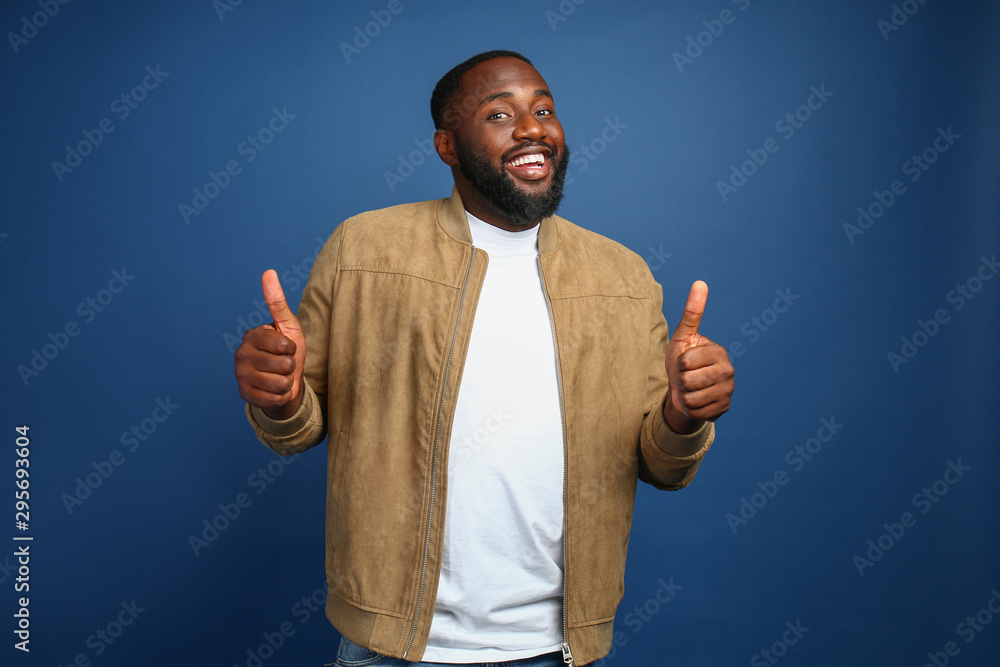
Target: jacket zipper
567,653
437,438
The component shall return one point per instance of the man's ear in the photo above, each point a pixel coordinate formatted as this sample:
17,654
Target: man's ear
444,144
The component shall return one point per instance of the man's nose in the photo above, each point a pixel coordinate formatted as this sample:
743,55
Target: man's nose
529,128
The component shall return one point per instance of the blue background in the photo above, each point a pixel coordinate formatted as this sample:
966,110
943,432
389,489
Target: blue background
681,126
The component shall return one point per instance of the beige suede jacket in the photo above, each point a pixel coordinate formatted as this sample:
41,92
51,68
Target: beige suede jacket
387,315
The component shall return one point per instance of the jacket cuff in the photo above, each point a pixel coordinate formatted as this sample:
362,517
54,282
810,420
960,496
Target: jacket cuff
292,435
669,459
680,445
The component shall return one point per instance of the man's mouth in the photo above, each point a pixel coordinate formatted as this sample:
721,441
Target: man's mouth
529,166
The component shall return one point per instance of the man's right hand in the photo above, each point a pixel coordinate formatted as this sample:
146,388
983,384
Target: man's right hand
271,358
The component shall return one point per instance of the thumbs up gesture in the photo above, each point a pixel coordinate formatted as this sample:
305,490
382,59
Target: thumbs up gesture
271,358
701,376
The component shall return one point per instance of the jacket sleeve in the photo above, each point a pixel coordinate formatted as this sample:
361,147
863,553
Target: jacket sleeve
667,460
308,426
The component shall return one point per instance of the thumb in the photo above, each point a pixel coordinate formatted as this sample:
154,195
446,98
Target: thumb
693,310
275,298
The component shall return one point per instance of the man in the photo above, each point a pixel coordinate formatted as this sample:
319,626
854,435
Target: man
493,380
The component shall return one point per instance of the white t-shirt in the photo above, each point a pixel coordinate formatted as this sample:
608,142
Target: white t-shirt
500,592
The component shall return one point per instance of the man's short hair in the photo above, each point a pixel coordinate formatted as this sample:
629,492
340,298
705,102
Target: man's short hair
451,82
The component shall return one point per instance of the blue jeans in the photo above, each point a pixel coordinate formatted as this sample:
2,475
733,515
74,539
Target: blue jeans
352,655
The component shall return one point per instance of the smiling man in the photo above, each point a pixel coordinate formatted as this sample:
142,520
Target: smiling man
494,380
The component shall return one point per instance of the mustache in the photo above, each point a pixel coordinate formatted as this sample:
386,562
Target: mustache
530,144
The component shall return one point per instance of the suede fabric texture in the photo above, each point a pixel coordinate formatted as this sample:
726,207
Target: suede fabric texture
387,315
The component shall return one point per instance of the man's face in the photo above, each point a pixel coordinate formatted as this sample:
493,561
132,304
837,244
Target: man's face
509,144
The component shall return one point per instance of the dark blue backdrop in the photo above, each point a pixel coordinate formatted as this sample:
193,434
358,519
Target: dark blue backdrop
829,169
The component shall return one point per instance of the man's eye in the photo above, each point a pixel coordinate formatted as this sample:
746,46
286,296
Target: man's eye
497,116
544,112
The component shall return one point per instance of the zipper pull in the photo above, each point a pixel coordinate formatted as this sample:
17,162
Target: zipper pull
567,654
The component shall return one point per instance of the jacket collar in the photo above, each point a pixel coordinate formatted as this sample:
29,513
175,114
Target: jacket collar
454,222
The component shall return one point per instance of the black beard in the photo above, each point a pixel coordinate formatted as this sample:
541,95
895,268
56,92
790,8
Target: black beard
498,188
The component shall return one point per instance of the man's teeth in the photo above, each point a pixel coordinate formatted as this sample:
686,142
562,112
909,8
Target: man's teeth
526,159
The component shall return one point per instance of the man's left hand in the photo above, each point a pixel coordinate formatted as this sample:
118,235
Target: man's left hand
701,376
